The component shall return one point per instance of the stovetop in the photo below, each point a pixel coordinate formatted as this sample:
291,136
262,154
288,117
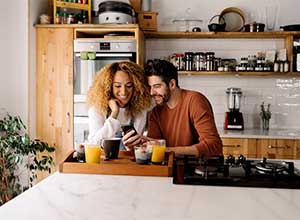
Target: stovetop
231,171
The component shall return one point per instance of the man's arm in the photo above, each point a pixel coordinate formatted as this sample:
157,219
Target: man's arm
202,117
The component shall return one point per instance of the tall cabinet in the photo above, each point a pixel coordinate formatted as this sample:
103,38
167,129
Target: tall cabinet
55,59
54,100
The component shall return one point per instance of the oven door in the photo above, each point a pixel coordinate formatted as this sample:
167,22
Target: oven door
85,71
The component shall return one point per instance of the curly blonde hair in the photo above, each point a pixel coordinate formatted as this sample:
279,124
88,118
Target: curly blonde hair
101,90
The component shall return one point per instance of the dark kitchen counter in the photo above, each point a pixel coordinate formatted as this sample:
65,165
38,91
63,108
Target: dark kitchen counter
260,134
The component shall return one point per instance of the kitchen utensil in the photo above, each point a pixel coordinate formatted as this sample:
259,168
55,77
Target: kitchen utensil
196,29
216,27
234,18
146,5
186,23
291,27
254,27
114,12
271,16
234,118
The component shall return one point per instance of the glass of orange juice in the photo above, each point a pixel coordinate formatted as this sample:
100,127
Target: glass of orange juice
92,153
158,150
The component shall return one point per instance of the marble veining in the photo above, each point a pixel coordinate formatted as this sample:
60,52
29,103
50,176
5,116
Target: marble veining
259,133
111,197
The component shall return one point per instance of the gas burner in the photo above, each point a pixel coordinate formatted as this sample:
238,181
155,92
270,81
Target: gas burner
235,162
273,168
236,172
203,170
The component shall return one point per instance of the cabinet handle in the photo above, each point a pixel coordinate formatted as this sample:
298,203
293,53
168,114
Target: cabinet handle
231,145
68,122
279,147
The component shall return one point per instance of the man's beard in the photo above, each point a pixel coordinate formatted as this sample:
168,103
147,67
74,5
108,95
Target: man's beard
165,97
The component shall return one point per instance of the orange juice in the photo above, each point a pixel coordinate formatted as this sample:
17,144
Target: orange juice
92,153
158,153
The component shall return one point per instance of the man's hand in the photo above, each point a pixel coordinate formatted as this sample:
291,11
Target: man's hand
130,140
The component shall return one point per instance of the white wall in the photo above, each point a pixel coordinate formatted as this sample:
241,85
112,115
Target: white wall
14,58
18,71
36,8
282,92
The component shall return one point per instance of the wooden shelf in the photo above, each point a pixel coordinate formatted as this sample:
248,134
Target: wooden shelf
71,5
287,36
173,34
238,73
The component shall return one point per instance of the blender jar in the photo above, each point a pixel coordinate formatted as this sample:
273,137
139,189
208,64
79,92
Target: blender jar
233,98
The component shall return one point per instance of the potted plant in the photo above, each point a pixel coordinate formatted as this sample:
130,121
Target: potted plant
17,150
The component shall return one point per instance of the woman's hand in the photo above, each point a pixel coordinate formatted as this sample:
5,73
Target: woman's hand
114,107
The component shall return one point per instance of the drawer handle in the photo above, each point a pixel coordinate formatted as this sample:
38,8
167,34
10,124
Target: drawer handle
69,122
232,145
278,147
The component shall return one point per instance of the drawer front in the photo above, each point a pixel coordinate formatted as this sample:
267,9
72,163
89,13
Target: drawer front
297,149
275,148
238,146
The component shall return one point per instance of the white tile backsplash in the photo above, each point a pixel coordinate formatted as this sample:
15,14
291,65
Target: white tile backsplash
282,92
285,104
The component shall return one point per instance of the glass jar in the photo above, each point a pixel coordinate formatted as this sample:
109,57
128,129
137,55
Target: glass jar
188,58
210,61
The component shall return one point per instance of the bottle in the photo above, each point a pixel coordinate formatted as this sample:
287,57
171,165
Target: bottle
65,16
276,66
286,66
57,18
297,56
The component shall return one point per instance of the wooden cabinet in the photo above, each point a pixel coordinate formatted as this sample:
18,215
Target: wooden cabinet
85,5
275,148
297,149
54,78
288,38
259,148
238,146
54,88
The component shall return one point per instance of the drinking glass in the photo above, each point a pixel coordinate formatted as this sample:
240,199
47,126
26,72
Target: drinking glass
158,150
271,16
92,153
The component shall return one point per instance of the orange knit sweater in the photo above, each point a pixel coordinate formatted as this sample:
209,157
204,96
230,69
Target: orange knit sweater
191,122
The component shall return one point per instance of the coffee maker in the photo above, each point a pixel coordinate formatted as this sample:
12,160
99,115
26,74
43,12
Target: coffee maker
234,118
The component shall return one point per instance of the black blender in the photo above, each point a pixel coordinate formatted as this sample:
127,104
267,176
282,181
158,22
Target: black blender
234,118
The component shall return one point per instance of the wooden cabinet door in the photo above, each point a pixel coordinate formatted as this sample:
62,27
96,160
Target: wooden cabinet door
275,148
297,149
54,89
238,146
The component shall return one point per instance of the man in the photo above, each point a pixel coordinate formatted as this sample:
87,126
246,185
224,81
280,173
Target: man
183,117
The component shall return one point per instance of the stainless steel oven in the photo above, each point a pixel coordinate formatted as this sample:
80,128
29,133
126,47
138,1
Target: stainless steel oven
90,55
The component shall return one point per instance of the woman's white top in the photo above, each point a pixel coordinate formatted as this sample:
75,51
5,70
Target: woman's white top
102,127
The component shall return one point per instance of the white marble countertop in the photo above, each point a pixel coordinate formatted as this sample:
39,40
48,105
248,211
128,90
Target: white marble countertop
105,197
258,133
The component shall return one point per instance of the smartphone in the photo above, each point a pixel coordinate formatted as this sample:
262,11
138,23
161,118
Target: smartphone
127,128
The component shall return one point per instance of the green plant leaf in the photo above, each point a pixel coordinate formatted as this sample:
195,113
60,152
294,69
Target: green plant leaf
15,144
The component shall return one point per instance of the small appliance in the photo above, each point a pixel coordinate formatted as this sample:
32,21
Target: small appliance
234,118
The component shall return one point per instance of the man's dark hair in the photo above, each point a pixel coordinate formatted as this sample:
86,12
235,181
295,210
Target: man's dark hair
162,68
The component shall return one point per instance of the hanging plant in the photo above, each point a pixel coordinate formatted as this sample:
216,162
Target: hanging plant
17,150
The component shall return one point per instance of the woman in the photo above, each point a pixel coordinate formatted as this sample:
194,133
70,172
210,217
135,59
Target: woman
119,95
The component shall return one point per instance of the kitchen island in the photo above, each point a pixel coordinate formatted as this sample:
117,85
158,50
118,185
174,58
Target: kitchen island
87,197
